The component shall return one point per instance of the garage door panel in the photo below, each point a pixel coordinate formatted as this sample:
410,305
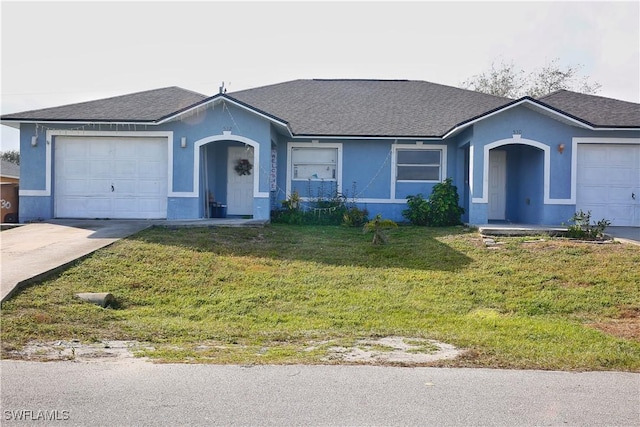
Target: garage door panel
148,187
88,167
617,214
125,168
607,176
590,194
75,168
127,151
97,150
151,169
124,187
619,195
99,168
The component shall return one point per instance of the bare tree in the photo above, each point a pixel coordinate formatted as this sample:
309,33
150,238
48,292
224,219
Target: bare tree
11,156
509,81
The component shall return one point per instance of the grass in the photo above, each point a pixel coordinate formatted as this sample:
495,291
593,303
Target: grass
285,294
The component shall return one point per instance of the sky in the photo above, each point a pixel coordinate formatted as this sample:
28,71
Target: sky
56,53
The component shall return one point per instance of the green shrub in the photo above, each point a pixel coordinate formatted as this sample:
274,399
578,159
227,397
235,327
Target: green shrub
441,209
582,228
355,217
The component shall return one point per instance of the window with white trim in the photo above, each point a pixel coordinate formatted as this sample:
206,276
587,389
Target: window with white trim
419,164
314,163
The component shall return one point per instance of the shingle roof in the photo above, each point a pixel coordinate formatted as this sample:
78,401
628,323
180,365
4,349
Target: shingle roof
369,107
393,108
9,169
147,106
596,110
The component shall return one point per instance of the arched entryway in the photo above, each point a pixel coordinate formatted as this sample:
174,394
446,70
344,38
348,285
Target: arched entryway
516,180
226,169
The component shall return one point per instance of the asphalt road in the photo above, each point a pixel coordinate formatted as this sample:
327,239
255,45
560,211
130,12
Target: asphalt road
133,392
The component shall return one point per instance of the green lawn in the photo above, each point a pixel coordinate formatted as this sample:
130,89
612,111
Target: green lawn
284,294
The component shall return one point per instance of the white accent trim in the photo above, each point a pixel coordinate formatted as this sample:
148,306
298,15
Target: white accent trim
360,201
578,123
394,163
590,140
225,137
204,105
35,193
547,171
50,134
356,137
471,171
312,144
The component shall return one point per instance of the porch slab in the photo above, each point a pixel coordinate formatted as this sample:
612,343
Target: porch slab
211,222
520,230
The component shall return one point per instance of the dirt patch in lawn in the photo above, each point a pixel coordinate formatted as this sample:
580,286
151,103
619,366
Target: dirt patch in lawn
410,351
387,350
626,326
114,351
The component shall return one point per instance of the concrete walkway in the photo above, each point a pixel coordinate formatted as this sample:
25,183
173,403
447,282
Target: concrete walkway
622,234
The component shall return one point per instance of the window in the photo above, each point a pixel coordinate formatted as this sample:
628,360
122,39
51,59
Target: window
418,165
314,163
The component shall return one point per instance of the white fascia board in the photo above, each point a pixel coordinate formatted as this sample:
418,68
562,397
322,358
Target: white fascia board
388,138
231,101
516,104
11,124
82,122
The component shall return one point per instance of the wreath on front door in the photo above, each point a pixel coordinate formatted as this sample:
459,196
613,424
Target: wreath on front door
243,167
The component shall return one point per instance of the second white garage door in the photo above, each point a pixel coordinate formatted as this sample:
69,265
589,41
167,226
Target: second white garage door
608,182
105,177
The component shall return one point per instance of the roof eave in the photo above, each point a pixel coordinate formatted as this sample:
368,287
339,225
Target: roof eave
223,97
576,121
372,136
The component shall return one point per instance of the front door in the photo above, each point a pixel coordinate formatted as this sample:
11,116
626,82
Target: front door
497,185
240,183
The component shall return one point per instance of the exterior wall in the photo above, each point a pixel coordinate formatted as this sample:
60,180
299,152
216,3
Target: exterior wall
217,125
529,138
367,174
539,176
36,202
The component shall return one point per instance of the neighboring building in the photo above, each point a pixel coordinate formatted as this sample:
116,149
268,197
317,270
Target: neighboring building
9,172
167,153
9,184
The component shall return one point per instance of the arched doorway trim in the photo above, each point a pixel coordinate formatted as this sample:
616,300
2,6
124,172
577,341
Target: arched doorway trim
524,141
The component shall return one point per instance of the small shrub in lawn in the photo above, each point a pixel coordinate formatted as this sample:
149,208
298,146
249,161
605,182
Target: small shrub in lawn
377,226
355,217
441,209
582,228
327,207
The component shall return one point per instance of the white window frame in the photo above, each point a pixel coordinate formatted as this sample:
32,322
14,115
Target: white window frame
314,145
406,147
418,146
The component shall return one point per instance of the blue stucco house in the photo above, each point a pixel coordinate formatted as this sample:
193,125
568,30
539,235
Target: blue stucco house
173,153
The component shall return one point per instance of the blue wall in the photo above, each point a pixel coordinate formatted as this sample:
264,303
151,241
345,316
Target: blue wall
525,165
366,165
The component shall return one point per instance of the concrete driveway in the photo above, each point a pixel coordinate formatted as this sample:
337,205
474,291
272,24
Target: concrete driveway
627,234
30,252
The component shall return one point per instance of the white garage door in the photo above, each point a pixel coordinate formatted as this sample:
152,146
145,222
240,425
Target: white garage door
608,182
105,177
